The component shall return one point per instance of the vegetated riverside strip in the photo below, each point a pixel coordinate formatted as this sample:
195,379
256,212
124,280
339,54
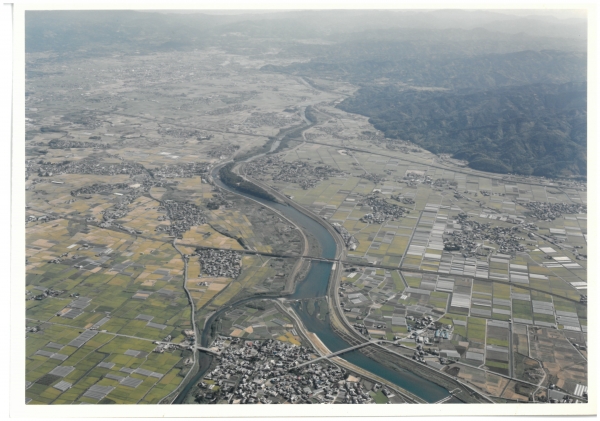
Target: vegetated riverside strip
231,179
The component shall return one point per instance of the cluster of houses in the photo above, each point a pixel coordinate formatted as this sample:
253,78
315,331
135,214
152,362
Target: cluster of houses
382,210
99,189
126,194
265,371
425,331
403,199
121,208
180,133
223,150
43,218
444,182
355,393
221,263
299,172
261,166
348,238
67,144
468,236
187,170
44,294
374,137
555,395
182,215
167,345
375,178
550,211
412,178
85,166
217,200
276,120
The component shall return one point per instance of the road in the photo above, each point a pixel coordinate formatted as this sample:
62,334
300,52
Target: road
322,349
380,266
443,167
441,373
99,331
511,362
194,327
289,284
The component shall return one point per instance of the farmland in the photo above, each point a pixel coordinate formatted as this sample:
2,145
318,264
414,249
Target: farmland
176,202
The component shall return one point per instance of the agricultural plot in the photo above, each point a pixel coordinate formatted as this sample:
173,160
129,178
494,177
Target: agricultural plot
497,347
107,283
473,255
259,274
125,367
556,353
256,228
525,368
259,320
386,305
487,382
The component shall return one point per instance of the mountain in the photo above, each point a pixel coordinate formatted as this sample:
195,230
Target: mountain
537,129
505,90
442,64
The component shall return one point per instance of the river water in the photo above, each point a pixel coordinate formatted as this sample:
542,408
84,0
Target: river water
314,285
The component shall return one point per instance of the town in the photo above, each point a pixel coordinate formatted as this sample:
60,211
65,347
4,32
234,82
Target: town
468,236
264,371
222,263
382,210
550,211
182,215
83,166
302,173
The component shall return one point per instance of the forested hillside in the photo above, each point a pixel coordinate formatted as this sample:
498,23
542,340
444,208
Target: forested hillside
535,129
504,91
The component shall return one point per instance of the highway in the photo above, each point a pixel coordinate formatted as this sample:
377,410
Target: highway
380,266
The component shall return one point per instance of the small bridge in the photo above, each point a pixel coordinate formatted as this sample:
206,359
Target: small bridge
208,350
447,398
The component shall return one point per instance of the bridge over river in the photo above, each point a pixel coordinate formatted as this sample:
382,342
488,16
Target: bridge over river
334,354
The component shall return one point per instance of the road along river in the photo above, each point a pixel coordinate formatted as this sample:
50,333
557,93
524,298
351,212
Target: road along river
314,285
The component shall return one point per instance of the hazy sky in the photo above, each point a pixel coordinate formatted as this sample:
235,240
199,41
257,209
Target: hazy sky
556,13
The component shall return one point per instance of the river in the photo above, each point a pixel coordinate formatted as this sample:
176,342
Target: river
315,285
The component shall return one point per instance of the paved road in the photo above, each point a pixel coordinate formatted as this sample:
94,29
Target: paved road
333,354
379,266
99,331
443,167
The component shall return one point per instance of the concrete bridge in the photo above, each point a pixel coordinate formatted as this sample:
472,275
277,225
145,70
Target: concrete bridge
334,354
208,350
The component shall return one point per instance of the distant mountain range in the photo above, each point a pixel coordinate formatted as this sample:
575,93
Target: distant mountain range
537,129
505,92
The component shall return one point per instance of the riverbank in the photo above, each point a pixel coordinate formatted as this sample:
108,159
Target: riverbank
322,350
319,282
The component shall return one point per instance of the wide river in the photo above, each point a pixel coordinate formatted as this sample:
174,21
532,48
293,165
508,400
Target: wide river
312,286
